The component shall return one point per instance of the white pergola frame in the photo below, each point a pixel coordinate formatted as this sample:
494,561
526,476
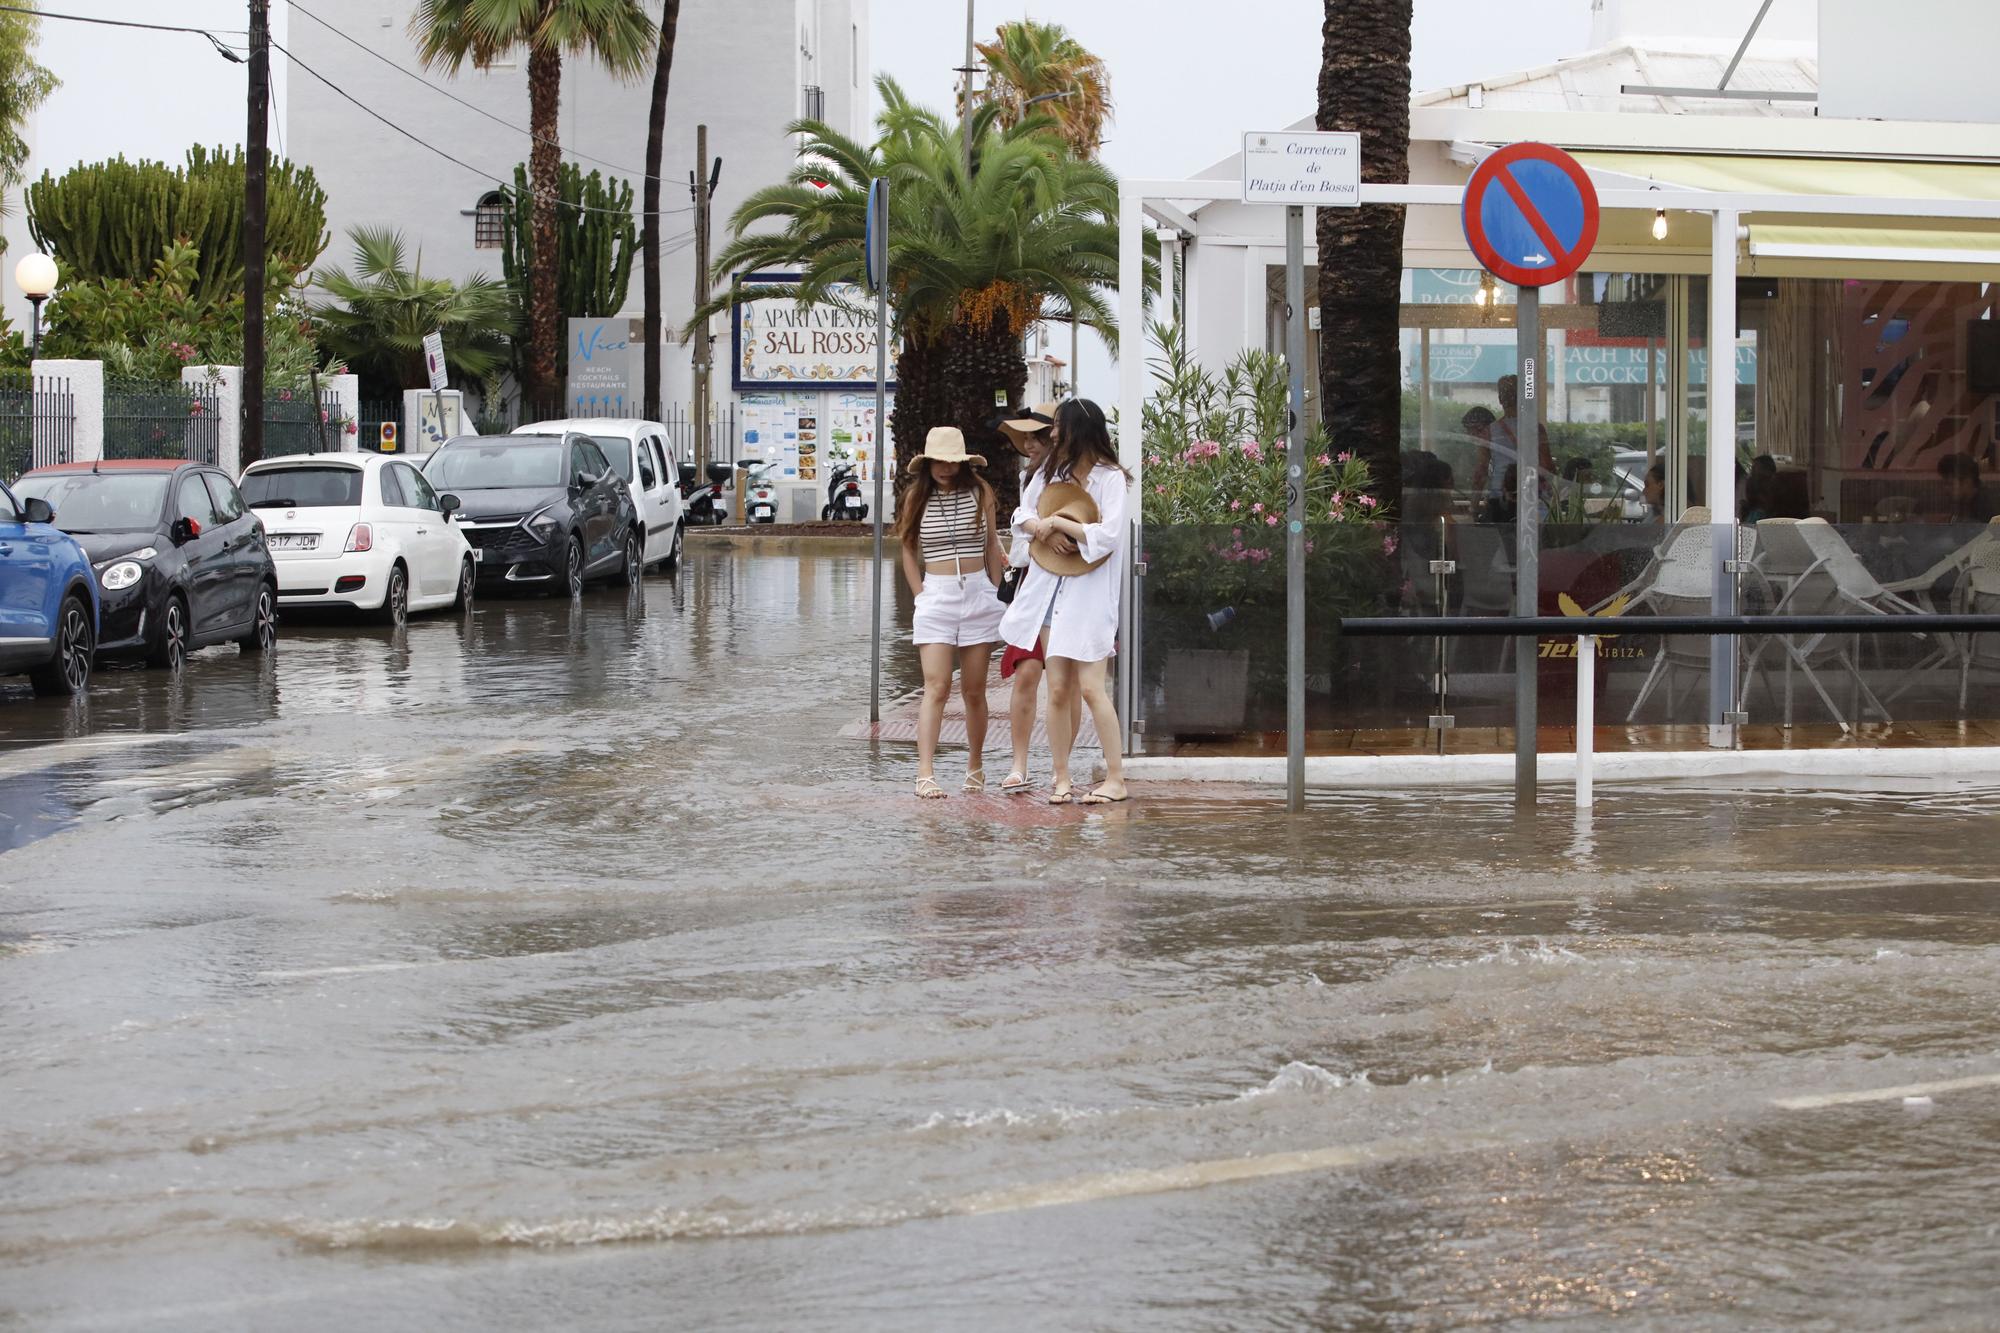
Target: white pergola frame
1159,199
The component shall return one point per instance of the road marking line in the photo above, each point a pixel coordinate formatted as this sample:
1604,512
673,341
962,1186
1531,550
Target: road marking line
1200,1175
1816,1101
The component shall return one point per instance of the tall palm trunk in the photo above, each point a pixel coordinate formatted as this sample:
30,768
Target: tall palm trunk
649,242
545,180
950,379
1364,87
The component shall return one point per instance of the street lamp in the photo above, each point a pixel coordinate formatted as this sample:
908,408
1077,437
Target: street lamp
37,276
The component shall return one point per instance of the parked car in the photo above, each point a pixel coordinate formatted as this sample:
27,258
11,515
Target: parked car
363,531
640,454
48,599
541,511
180,562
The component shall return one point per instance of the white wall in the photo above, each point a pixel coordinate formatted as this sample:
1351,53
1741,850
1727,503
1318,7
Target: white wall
1616,21
1928,60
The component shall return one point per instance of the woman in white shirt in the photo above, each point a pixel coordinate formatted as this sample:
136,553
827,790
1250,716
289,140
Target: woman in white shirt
1074,617
1028,432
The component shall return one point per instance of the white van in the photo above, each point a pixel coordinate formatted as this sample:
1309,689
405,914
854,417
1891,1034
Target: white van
640,454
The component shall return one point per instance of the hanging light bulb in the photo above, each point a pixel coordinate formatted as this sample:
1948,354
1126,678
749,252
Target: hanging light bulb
1659,224
1479,297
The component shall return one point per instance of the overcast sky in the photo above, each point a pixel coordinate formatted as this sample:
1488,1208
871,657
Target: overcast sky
1187,76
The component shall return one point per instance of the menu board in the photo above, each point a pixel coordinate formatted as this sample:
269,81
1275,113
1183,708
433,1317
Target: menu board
809,434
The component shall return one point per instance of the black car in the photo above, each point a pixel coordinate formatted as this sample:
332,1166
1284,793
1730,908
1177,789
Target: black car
180,562
542,512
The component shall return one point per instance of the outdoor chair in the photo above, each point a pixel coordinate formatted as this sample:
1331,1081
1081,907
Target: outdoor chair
1682,584
1978,592
1812,571
1695,516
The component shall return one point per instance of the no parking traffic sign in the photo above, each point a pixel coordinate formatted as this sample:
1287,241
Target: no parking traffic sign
1530,214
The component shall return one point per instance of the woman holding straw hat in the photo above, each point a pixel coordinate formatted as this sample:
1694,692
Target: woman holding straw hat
1029,432
952,561
1073,515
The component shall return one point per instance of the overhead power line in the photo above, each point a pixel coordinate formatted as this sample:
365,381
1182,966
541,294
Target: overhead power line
118,23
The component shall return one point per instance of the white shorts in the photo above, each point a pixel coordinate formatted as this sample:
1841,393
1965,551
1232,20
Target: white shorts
959,609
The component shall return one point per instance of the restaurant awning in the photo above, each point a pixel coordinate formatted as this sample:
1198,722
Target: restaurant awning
1803,245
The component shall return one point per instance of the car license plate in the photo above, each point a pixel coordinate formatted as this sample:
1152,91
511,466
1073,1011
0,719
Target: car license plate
293,541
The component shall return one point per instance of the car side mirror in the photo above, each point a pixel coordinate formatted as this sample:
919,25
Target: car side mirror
580,482
184,530
449,504
37,510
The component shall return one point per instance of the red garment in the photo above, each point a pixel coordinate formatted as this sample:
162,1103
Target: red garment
1013,657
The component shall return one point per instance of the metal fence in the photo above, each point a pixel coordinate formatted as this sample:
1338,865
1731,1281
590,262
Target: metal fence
37,422
295,424
724,443
162,419
375,413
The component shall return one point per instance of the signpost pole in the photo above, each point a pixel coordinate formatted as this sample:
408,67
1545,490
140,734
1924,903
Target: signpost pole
1295,510
878,251
1527,533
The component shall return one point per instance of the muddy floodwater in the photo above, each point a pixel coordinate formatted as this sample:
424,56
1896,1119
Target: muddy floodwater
560,966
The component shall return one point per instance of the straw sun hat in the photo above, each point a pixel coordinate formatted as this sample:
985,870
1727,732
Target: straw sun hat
1065,499
946,444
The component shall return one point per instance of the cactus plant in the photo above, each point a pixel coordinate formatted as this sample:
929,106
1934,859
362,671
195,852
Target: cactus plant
597,240
111,221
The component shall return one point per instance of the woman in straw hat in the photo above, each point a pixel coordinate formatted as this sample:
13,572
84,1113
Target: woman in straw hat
952,560
1073,515
1028,432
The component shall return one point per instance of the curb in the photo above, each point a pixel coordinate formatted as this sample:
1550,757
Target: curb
783,543
1497,770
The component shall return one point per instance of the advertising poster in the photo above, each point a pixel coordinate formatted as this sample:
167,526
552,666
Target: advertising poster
851,433
769,422
777,342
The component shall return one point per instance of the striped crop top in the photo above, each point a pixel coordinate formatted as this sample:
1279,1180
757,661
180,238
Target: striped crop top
951,528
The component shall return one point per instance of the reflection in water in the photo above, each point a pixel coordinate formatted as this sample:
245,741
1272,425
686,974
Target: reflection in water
557,923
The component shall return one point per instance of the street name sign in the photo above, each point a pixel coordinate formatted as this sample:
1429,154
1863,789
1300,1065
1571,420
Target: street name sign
434,359
1530,214
1319,169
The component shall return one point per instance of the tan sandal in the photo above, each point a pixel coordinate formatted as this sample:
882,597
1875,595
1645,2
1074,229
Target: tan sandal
1015,783
975,782
928,790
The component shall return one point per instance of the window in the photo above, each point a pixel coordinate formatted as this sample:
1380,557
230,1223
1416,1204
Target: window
815,102
619,450
228,502
192,498
416,491
326,487
594,462
648,478
100,502
660,461
392,489
489,221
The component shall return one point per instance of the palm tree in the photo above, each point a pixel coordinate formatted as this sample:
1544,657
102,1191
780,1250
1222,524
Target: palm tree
618,33
649,241
1364,87
1040,64
974,259
381,311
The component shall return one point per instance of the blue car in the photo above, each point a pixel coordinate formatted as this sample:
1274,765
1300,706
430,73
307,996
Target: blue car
48,600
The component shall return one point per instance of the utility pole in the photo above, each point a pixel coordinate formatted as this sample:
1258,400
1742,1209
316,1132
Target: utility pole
701,294
649,243
965,107
256,153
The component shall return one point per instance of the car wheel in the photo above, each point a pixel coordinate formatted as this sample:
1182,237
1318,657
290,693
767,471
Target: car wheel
468,584
673,560
263,635
168,650
573,568
395,609
68,672
635,559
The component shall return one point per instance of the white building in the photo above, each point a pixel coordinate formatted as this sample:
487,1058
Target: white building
745,68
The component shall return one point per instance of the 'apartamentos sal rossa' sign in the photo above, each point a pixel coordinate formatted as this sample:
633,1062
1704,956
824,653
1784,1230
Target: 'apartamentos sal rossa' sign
778,342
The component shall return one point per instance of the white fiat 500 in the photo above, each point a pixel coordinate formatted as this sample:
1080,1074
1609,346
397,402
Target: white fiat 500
360,530
642,456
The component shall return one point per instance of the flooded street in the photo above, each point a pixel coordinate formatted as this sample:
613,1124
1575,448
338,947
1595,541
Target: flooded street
557,966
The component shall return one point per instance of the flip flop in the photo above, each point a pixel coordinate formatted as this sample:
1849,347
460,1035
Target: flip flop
1015,783
1099,798
928,790
1065,797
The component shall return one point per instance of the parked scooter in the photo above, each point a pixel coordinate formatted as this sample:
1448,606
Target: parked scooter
760,495
702,502
843,495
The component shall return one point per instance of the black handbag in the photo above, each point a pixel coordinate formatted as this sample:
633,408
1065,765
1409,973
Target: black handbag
1010,583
